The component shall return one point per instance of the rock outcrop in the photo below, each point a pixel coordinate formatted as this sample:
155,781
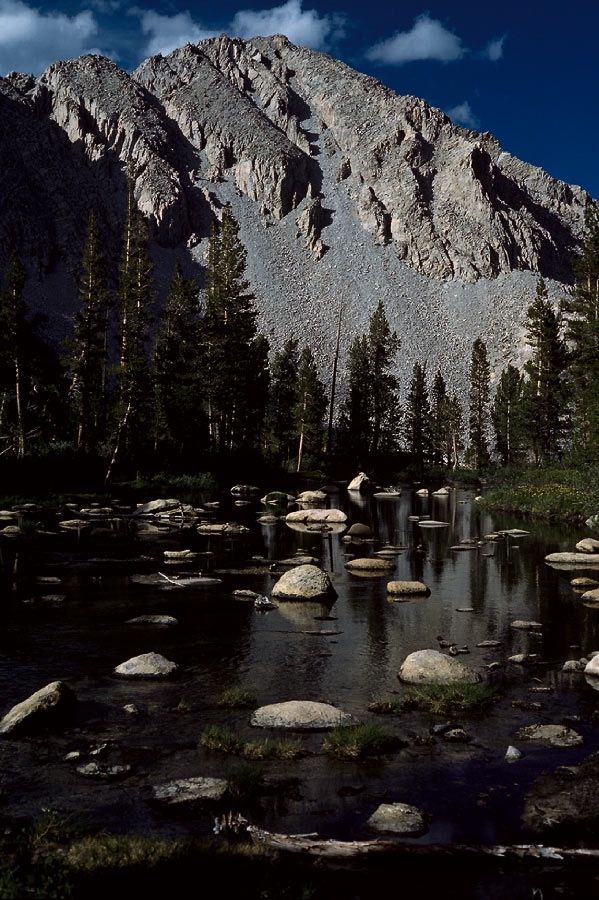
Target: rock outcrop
342,188
46,708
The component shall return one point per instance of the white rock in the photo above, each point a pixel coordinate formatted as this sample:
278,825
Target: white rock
147,665
300,715
397,818
434,667
305,582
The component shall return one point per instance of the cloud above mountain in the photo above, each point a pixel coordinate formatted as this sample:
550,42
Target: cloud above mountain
31,39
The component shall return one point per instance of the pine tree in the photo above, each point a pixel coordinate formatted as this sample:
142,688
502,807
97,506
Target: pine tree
509,418
31,406
235,381
544,391
446,424
355,426
283,394
418,419
89,349
383,347
136,295
581,309
309,409
438,403
453,419
14,338
479,395
369,418
176,368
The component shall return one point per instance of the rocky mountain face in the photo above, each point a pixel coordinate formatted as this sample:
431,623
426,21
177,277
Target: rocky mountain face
346,193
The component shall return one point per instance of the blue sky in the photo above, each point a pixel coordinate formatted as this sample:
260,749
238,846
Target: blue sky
528,73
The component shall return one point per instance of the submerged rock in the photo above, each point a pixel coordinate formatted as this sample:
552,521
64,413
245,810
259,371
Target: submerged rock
104,771
554,735
157,619
368,564
189,790
565,801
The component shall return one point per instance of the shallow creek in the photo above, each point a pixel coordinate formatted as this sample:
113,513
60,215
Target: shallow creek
346,654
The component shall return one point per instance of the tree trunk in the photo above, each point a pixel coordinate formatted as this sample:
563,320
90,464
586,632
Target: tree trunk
300,450
117,444
333,386
20,411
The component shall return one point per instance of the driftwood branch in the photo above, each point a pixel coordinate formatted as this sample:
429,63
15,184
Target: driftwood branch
313,844
170,580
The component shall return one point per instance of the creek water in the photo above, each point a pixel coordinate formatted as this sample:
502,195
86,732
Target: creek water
347,653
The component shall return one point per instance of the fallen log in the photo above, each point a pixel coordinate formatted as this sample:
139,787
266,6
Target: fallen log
315,845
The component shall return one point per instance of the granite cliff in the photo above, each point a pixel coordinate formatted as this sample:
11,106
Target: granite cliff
345,192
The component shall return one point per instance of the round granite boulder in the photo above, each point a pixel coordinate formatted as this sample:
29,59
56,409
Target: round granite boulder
147,665
305,582
407,588
434,667
397,818
300,715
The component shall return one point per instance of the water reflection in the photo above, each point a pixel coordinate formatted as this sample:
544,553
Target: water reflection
347,653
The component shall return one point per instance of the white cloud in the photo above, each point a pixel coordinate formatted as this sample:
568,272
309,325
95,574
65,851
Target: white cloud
427,39
166,33
30,40
494,49
462,114
301,26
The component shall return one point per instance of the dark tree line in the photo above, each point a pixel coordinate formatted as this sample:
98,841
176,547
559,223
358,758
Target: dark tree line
198,383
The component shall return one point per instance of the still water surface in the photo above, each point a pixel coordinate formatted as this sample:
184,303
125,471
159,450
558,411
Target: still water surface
469,791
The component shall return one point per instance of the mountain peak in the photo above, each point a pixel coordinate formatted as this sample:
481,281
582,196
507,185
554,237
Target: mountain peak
336,179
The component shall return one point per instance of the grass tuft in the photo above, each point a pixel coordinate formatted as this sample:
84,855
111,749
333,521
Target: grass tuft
237,697
220,740
269,749
358,741
440,699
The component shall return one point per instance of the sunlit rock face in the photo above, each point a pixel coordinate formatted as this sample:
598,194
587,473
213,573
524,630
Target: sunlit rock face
346,193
